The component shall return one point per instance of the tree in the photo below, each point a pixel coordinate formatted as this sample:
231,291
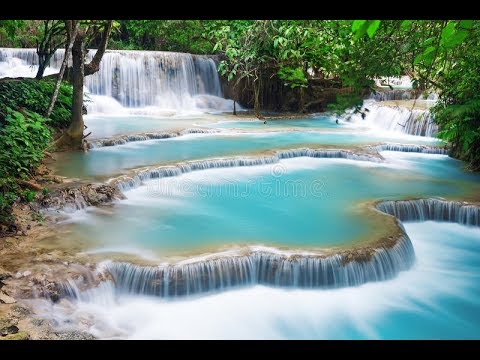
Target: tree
245,45
73,136
441,56
71,27
166,35
52,38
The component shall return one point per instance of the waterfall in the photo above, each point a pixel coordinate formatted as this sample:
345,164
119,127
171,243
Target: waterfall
412,148
126,183
397,119
121,140
154,78
401,94
137,79
432,209
395,94
257,267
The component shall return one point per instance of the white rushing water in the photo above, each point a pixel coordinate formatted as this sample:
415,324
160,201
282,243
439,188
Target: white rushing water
416,299
397,119
138,82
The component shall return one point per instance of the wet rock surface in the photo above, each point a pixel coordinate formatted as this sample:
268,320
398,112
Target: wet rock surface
71,197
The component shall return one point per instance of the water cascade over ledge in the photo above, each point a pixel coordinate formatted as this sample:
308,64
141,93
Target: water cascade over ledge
258,265
432,209
399,119
142,80
126,183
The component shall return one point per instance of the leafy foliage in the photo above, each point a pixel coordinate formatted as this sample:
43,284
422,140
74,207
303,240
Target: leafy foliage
166,35
22,140
35,96
346,101
25,134
18,33
8,194
23,137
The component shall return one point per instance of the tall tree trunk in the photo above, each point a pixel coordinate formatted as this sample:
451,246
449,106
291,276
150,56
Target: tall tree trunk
72,28
301,100
257,86
73,137
75,131
42,65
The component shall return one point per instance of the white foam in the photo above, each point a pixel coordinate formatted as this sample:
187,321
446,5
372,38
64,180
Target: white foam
266,313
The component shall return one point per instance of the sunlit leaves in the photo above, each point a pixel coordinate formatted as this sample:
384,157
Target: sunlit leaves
372,28
360,27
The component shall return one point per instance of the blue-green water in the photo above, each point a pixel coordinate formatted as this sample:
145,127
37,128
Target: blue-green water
314,122
439,298
301,202
103,126
111,160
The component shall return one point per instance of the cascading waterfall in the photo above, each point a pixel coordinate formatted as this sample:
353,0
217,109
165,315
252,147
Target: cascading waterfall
412,148
432,209
395,94
22,63
137,79
155,78
127,183
121,140
257,267
397,119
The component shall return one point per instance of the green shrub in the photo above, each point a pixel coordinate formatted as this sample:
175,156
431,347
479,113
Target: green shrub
35,96
8,195
23,138
25,133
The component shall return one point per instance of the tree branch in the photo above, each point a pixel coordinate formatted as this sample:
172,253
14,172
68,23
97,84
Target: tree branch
94,65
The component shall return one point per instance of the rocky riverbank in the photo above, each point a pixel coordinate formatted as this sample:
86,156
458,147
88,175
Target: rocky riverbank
28,271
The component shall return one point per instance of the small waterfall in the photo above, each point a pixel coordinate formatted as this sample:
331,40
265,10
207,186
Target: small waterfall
432,209
23,63
398,119
412,148
395,94
125,183
124,139
147,78
403,81
137,79
257,267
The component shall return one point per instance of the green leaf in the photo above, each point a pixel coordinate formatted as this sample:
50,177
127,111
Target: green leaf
427,42
428,50
456,39
417,59
405,24
357,24
448,31
372,28
465,24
